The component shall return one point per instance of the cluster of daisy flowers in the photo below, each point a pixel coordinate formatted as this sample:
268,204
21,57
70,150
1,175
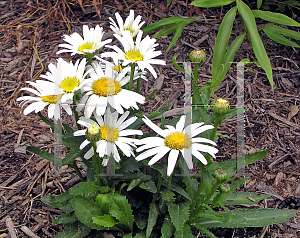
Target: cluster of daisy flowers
107,100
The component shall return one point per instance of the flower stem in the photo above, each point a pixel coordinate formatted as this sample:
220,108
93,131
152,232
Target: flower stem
216,124
196,73
131,75
138,85
78,171
95,163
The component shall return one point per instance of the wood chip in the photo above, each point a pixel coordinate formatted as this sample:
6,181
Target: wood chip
28,232
10,227
293,111
296,126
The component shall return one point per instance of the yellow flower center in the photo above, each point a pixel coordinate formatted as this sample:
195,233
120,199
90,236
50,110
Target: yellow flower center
118,68
51,98
83,47
69,84
106,87
109,134
178,141
128,29
134,55
94,129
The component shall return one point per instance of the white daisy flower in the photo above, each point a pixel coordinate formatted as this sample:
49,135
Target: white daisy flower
131,25
67,76
105,87
90,43
140,52
175,140
45,92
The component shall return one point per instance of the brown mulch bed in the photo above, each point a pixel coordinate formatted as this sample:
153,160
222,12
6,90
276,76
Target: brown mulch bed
30,34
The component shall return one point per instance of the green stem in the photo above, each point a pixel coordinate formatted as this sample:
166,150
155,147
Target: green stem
158,189
196,73
216,124
78,171
95,163
76,118
131,75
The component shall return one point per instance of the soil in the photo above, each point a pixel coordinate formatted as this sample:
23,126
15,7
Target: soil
30,34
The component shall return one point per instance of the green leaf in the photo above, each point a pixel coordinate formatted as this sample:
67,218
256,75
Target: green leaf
184,233
85,210
88,189
72,141
153,214
135,182
257,44
152,94
141,220
238,198
196,95
211,3
42,153
128,235
159,111
74,230
70,157
167,229
106,221
178,32
121,210
221,43
246,218
149,186
276,36
178,189
254,157
161,23
140,235
259,2
104,201
179,214
168,196
57,201
226,62
46,120
275,18
69,130
167,30
64,219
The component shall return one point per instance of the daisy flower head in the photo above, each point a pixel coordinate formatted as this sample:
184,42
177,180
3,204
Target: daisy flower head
45,96
131,25
114,135
88,45
92,134
175,140
141,52
67,76
105,87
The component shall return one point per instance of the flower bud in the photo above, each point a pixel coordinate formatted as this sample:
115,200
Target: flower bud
93,133
220,106
224,188
198,56
220,174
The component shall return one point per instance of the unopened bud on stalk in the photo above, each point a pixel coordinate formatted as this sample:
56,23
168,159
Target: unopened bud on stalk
93,133
220,106
198,56
220,174
224,188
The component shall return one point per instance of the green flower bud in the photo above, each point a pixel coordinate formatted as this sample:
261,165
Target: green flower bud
93,133
220,106
224,188
198,56
220,174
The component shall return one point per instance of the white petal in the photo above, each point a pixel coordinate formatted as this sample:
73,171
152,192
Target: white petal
203,140
155,127
205,148
159,155
172,159
180,124
199,156
148,153
89,154
84,144
202,129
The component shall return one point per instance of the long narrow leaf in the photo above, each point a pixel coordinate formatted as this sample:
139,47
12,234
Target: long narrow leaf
259,2
222,42
275,18
276,36
211,3
228,58
167,30
164,22
289,33
257,44
178,32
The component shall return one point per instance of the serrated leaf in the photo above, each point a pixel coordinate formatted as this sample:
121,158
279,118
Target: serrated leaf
256,156
168,196
153,214
275,18
149,186
121,210
106,221
104,201
43,154
179,214
211,3
85,210
58,201
258,47
65,218
246,218
141,220
74,230
184,233
69,130
135,182
167,229
88,189
70,157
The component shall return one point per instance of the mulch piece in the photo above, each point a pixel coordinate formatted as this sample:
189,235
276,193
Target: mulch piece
30,34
